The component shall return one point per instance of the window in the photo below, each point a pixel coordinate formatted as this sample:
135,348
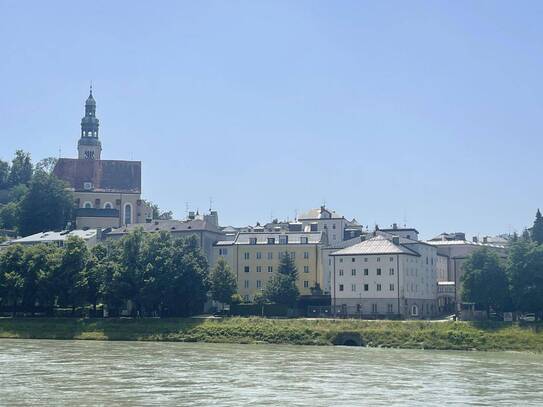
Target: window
270,269
353,259
87,205
283,239
391,287
378,287
333,226
390,308
414,310
270,255
378,272
306,284
426,259
258,284
365,259
303,240
366,272
341,272
340,260
127,214
306,269
246,269
258,255
366,287
378,259
353,272
252,240
353,287
391,271
292,255
271,240
329,262
392,259
259,269
341,287
306,255
246,285
374,308
246,256
108,205
223,252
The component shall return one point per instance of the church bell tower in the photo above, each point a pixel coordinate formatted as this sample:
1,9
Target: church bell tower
89,147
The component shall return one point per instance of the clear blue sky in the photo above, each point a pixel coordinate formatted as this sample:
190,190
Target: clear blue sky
429,112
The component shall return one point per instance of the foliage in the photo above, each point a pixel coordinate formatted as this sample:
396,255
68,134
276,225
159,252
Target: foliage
4,174
282,288
223,282
537,229
525,271
485,281
47,205
9,215
21,169
47,165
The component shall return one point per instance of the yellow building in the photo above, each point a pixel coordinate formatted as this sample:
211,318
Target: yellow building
255,257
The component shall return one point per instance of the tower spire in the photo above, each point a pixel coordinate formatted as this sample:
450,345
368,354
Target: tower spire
89,146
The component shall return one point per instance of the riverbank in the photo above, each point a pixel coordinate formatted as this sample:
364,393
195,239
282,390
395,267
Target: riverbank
392,334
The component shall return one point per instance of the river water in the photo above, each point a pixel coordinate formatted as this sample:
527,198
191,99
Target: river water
42,372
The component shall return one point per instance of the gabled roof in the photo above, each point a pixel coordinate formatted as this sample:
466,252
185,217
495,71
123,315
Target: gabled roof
104,175
375,245
319,213
48,237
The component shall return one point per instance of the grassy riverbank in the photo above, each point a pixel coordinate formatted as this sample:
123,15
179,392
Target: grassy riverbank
396,334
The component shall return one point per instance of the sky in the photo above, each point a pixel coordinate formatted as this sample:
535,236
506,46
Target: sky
425,113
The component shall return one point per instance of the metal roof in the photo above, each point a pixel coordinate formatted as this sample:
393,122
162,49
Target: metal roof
243,238
375,245
46,237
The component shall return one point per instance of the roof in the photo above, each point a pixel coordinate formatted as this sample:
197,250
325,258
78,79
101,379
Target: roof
319,213
400,230
105,175
347,243
169,226
262,238
48,237
463,242
375,245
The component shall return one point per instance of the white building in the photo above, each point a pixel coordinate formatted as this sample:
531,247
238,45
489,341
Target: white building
385,276
324,220
90,237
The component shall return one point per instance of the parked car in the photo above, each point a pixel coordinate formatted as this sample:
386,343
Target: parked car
528,317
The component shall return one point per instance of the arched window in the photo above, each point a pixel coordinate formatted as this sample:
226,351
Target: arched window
87,205
127,214
108,205
414,310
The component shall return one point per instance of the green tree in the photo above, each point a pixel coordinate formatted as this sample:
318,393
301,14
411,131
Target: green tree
93,275
47,205
69,278
525,271
12,268
47,164
21,169
4,174
282,288
39,267
9,215
484,281
537,229
223,282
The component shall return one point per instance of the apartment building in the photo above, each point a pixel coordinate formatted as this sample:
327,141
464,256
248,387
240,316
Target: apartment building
254,257
383,276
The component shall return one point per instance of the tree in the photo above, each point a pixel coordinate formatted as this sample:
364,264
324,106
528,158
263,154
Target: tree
9,215
484,281
223,282
525,271
4,174
11,275
537,229
39,267
47,164
47,205
282,288
21,169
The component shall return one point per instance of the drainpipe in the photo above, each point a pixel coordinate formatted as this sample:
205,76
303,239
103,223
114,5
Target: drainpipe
398,288
334,313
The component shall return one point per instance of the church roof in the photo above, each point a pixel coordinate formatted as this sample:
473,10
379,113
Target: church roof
105,175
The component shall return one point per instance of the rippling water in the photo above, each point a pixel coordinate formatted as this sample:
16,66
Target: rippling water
40,372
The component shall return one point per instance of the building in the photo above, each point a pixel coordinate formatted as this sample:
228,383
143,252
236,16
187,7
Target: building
204,228
255,256
324,220
453,250
385,276
107,192
405,232
90,236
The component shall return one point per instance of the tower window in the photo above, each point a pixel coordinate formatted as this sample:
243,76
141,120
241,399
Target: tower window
127,214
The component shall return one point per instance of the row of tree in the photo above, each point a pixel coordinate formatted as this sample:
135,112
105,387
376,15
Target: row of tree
146,273
511,284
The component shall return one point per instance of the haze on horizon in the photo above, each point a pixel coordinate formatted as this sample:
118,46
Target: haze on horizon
425,113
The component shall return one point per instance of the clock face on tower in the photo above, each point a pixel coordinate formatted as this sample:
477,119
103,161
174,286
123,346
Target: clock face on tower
89,155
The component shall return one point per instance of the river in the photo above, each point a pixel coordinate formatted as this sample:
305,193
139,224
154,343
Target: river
81,373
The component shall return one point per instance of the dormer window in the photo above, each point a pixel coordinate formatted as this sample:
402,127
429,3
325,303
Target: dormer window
252,240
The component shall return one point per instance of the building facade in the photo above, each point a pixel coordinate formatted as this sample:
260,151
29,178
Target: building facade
107,192
385,276
255,257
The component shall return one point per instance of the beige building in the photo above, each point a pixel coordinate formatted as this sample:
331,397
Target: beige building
255,257
107,192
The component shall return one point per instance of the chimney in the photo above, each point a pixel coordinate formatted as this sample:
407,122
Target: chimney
396,240
475,239
395,226
485,240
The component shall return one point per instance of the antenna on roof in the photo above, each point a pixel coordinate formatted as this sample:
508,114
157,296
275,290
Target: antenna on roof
59,151
295,215
210,203
187,208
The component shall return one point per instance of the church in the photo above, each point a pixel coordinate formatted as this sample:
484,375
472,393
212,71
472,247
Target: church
107,192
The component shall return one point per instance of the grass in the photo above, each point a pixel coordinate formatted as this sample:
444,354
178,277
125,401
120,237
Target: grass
392,334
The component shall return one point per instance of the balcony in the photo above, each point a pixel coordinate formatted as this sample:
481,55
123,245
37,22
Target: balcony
96,213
